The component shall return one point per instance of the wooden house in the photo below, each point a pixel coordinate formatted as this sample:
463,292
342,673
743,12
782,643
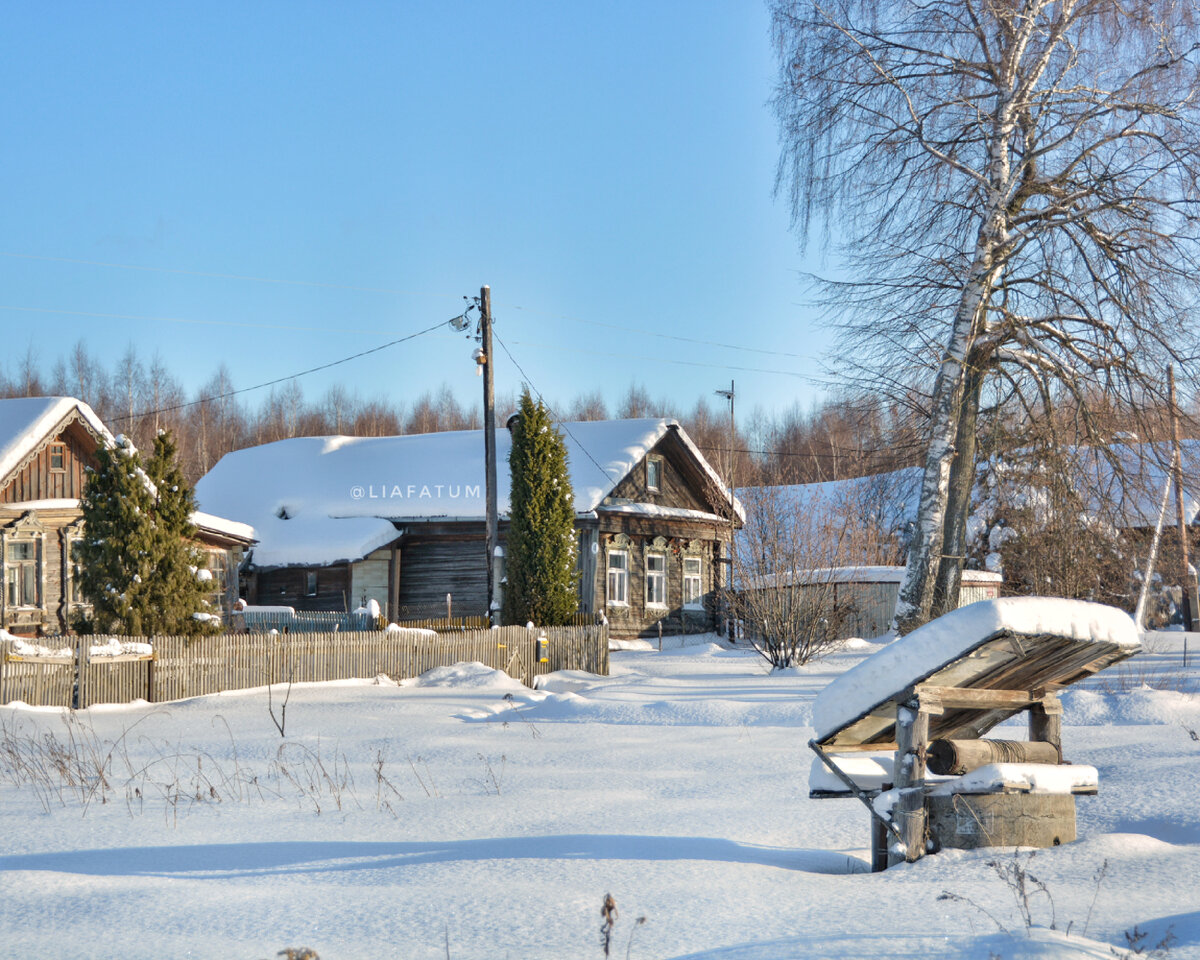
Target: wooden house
46,445
343,520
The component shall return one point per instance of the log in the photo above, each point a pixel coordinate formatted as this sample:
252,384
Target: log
908,815
952,758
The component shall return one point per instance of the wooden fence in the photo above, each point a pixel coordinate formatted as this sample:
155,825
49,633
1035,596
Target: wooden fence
181,668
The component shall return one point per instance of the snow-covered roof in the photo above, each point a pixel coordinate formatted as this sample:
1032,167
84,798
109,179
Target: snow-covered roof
230,528
858,574
25,422
291,491
918,655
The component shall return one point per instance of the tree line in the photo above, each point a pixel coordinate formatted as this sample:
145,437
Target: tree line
139,397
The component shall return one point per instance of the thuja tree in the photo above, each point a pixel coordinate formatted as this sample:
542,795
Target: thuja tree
541,535
137,569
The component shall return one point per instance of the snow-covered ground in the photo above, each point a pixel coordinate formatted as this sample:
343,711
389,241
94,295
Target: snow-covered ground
463,815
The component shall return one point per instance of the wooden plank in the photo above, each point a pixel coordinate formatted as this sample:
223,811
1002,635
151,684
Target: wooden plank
975,698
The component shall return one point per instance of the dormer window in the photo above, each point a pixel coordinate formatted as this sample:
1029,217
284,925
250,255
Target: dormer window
654,468
58,456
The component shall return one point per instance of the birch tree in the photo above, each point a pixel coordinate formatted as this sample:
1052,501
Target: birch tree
1012,186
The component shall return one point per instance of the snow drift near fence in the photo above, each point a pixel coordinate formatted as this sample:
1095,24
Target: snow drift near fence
912,658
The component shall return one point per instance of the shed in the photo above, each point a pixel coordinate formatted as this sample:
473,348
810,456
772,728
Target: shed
868,594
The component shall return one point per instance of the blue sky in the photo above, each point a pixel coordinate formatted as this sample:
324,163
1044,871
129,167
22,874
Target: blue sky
607,168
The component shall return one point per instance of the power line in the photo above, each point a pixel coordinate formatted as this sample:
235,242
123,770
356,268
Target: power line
225,276
271,383
663,336
561,422
251,278
219,323
684,363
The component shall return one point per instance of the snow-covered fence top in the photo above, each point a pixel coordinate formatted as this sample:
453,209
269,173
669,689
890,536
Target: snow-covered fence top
83,671
1017,643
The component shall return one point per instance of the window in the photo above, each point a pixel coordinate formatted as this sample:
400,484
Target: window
58,456
654,473
618,578
21,573
74,570
218,577
692,590
310,583
656,580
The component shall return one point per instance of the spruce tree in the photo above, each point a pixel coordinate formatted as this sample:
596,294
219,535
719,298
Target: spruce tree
176,591
541,536
137,569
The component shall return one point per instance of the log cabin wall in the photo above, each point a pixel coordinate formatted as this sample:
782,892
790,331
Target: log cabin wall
676,543
678,483
305,588
56,471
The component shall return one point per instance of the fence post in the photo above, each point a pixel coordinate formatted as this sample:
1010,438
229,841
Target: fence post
79,697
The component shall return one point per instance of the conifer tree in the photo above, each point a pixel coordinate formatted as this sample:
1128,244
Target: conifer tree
137,569
176,591
541,536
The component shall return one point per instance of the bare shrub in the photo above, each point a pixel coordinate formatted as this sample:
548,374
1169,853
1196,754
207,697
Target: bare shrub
793,558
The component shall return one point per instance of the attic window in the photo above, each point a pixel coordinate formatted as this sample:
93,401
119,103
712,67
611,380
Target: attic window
58,456
654,473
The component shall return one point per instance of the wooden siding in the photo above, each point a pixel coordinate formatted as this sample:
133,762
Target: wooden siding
641,620
287,586
432,568
677,487
183,668
37,480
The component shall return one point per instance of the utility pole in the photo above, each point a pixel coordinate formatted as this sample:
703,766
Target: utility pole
1187,582
489,449
729,395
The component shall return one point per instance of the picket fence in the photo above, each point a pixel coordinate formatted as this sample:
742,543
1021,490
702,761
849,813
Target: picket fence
181,668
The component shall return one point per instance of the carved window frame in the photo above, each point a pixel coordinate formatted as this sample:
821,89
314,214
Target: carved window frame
657,598
618,546
25,530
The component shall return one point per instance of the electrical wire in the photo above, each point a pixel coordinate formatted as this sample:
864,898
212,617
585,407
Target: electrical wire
684,363
558,419
217,323
250,278
224,276
271,383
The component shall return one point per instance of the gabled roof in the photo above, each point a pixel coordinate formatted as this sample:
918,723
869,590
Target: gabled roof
28,422
291,491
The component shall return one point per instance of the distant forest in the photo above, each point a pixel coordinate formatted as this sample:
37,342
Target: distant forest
139,396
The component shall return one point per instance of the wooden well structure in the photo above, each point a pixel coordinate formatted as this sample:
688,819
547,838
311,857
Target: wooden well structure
936,723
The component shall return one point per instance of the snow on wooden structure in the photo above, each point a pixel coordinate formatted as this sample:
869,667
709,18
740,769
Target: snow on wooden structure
47,446
341,520
930,696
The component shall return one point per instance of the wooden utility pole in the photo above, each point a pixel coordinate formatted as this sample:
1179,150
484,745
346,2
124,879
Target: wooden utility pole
729,395
1187,582
489,449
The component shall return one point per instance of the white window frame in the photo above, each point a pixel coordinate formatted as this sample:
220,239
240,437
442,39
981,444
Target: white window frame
656,462
618,577
656,597
16,579
693,599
